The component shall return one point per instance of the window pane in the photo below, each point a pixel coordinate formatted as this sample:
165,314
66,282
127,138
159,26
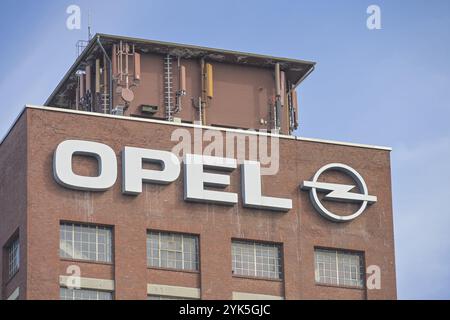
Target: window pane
256,259
337,267
156,297
85,242
172,250
13,257
84,294
351,269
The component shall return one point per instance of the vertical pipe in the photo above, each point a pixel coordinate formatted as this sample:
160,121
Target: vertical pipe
182,79
286,108
137,66
277,80
127,76
277,113
105,86
289,111
97,76
295,107
203,97
114,59
282,87
120,61
209,81
200,113
88,71
77,94
82,88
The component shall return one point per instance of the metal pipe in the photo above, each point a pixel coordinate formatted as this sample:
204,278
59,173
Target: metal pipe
181,86
88,71
110,74
282,87
97,76
82,85
127,51
277,111
137,65
295,108
277,80
114,59
200,113
209,80
203,97
77,94
121,61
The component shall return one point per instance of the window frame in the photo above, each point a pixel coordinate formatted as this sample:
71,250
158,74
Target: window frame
339,281
89,224
12,249
156,297
85,289
182,234
280,259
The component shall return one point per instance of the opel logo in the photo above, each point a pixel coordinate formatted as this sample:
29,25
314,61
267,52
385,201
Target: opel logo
338,192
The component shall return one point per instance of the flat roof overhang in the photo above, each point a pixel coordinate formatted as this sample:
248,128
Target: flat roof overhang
296,70
188,125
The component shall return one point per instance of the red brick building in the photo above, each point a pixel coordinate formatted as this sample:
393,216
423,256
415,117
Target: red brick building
74,213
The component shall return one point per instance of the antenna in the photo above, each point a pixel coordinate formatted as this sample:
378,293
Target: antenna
89,26
82,44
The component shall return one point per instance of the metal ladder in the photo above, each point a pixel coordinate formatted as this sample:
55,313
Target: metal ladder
104,102
168,99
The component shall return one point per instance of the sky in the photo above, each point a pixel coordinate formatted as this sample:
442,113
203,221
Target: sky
385,87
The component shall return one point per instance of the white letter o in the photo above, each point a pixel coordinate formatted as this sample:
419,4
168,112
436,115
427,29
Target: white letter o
63,171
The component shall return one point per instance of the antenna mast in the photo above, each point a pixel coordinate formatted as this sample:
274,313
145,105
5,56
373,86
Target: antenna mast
89,26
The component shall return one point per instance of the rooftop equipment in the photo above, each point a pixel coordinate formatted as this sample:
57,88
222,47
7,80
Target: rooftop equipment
103,79
97,76
278,93
181,86
168,87
209,81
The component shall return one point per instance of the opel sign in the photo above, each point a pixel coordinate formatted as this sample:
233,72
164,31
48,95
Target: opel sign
205,177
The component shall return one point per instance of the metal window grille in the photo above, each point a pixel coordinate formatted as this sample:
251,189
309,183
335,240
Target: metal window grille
13,257
85,242
160,297
84,294
172,250
338,267
256,259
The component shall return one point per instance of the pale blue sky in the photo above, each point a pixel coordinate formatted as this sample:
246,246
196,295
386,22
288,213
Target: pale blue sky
385,87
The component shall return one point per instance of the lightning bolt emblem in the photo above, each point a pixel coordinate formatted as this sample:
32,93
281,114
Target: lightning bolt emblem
338,192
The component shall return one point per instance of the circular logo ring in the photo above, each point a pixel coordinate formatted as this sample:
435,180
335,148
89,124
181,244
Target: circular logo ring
340,191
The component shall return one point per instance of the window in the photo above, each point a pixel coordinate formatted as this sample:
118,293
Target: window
84,294
85,242
338,267
13,257
158,297
172,250
256,259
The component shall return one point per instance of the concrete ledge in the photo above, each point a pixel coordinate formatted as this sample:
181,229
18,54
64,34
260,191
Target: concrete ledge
173,291
89,283
14,295
254,296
